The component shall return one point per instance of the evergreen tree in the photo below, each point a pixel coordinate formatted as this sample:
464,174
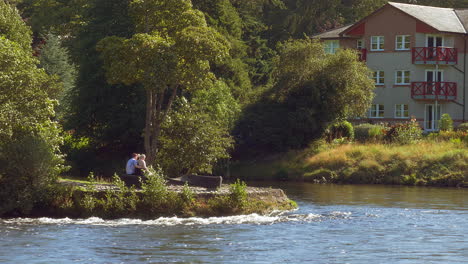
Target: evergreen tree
55,60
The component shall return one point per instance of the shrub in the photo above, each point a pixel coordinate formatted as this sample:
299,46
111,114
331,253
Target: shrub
30,166
448,135
154,191
446,123
463,127
337,130
404,133
238,194
368,132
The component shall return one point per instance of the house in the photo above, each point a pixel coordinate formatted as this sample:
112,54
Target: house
418,58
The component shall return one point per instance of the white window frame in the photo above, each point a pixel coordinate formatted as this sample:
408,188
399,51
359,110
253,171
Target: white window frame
405,39
331,46
379,41
378,76
378,112
400,109
403,77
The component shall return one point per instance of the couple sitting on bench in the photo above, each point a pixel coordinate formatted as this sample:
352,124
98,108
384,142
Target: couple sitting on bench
136,165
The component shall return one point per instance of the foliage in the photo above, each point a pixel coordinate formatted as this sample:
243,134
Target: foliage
341,129
109,117
404,133
31,166
55,60
368,132
453,136
235,201
442,164
29,140
59,16
311,89
196,133
13,28
155,192
462,127
238,194
162,57
446,123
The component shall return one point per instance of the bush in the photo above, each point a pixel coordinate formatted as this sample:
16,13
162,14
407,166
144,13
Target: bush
30,166
404,133
368,132
446,123
342,129
463,127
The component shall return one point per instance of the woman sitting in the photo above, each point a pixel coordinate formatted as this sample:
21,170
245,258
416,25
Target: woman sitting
141,165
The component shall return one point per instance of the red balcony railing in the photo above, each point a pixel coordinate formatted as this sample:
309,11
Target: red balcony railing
435,55
362,53
434,90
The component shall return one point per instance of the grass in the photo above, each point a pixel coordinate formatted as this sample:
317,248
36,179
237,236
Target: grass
427,162
98,180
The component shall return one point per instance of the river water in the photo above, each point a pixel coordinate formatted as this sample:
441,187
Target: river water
334,224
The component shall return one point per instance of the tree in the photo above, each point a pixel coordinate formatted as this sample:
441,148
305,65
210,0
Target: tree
196,133
55,60
29,140
311,90
107,119
13,28
170,53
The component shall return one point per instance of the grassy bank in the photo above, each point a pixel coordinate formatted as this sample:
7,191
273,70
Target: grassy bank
432,163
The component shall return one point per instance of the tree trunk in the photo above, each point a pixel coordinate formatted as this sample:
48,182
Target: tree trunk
156,113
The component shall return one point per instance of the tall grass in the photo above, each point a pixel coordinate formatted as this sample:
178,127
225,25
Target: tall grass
427,162
423,163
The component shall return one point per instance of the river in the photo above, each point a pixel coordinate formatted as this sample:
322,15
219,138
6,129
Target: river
334,224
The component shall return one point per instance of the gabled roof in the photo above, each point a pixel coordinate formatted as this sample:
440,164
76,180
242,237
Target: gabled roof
448,20
463,16
332,34
442,19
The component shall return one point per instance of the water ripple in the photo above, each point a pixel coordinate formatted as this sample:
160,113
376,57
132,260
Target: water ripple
274,218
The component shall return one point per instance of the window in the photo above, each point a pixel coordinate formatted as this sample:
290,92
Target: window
377,43
359,44
376,111
331,46
401,111
379,77
402,77
403,42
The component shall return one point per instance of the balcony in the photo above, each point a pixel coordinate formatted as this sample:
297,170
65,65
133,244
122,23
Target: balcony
443,91
362,54
435,55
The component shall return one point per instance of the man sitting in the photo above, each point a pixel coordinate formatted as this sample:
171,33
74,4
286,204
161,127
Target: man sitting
132,164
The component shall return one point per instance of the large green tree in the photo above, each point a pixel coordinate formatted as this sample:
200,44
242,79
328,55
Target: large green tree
311,89
29,140
170,53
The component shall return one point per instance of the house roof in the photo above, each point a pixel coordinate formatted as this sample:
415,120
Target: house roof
442,19
463,16
332,34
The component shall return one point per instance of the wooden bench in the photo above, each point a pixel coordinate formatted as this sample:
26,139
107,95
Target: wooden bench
133,180
211,182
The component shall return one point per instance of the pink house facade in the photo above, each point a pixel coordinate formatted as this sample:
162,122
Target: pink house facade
418,58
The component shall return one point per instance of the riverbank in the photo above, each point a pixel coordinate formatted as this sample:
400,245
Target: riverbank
81,199
427,163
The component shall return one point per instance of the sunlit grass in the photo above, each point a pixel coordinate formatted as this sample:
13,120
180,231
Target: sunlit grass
427,162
